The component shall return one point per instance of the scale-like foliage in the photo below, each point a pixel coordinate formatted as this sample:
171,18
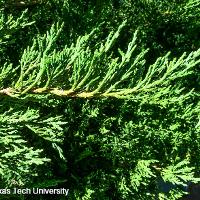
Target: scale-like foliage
101,117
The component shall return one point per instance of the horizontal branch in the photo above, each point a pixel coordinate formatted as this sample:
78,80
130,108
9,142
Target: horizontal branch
59,92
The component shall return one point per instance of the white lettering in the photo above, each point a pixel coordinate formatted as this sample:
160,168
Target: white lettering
4,191
21,191
50,191
35,190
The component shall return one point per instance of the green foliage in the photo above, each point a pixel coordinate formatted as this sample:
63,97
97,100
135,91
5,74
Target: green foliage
178,174
101,97
9,25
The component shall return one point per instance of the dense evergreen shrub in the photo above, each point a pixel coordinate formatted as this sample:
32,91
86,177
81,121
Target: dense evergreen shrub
101,97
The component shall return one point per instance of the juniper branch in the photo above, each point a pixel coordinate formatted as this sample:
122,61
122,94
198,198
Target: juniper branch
95,74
